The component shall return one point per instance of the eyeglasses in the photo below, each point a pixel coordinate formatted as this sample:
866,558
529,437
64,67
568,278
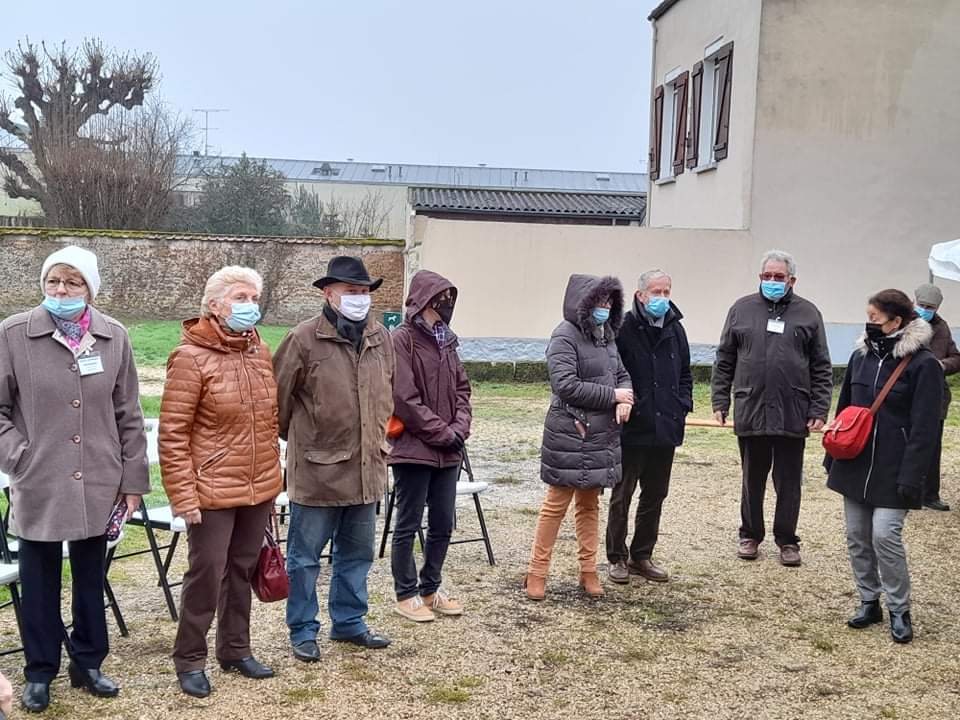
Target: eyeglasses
70,285
776,277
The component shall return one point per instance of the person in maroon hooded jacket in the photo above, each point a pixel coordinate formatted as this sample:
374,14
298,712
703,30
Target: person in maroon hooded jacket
431,397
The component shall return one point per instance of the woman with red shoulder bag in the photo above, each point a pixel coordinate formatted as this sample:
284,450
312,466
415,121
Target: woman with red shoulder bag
885,480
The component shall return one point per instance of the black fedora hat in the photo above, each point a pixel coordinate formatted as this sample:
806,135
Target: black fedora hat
350,270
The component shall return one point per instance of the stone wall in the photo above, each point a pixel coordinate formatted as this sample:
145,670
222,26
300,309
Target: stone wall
161,276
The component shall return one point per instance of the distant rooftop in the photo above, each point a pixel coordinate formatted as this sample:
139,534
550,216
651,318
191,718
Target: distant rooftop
434,175
525,202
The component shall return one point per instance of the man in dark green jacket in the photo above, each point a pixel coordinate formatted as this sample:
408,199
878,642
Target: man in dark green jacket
773,355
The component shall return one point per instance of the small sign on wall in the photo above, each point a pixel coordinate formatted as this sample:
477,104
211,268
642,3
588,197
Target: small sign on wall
392,320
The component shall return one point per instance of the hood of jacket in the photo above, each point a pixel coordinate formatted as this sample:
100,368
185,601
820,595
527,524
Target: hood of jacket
424,287
583,294
916,335
206,332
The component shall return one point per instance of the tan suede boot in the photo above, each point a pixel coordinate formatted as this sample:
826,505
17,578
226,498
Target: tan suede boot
591,584
536,587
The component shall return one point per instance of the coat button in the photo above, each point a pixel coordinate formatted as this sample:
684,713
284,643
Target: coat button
78,475
73,368
76,439
75,403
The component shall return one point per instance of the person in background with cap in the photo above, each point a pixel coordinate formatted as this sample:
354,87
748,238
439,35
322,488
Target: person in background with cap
335,392
73,443
928,299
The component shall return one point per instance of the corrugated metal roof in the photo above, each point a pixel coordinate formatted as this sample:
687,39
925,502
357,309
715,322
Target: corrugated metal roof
433,175
522,202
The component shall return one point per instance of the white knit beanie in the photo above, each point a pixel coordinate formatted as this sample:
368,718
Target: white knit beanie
83,261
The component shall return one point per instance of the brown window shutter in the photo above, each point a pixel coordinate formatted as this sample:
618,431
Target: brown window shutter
693,137
725,77
680,137
656,132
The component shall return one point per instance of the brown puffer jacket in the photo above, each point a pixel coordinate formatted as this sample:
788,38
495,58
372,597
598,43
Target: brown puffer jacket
218,421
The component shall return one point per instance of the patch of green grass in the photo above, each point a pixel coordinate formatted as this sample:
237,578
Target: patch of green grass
448,694
823,644
507,480
639,655
305,694
358,672
555,658
531,511
888,712
520,454
150,405
525,391
153,341
470,681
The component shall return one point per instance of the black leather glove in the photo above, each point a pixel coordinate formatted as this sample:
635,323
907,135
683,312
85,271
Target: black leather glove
457,444
909,494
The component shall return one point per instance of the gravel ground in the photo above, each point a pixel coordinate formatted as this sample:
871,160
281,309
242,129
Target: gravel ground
723,639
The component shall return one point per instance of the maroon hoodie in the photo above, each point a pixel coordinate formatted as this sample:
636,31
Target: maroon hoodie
431,392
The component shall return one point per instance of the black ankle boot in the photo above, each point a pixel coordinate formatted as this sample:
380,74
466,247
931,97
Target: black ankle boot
901,627
36,697
868,614
194,683
94,681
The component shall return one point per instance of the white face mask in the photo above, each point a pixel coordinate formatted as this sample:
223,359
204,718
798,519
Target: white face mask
355,307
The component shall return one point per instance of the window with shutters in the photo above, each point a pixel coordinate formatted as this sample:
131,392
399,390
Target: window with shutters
709,136
669,130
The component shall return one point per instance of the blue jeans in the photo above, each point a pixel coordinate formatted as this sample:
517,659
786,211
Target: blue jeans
352,530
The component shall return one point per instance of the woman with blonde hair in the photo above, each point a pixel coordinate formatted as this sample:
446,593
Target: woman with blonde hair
220,460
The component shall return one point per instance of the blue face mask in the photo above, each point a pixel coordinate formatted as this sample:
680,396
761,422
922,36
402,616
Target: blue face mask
657,306
601,315
925,314
66,309
243,316
773,290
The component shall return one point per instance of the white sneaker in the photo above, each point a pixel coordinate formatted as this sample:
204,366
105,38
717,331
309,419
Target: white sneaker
414,609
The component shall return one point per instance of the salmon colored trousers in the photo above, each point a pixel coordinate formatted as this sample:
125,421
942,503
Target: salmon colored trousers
586,523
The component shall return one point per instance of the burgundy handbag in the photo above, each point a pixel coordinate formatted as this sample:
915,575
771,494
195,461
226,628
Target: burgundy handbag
270,581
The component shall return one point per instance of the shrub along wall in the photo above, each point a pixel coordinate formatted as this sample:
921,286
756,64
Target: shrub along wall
160,276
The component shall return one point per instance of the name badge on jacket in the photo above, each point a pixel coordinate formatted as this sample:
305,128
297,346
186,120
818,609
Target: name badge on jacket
776,326
90,364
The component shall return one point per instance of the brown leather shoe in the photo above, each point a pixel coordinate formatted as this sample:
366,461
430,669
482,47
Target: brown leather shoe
748,549
647,569
790,556
619,573
591,584
535,586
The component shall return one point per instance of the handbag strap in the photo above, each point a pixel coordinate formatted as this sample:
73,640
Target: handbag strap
888,385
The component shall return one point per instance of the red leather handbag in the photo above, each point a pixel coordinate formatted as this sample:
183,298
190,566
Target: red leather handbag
848,434
270,581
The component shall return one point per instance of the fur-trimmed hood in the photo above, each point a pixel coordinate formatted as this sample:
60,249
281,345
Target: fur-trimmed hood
583,294
916,336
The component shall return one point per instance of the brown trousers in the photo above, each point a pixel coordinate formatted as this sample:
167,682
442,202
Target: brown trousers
586,523
224,549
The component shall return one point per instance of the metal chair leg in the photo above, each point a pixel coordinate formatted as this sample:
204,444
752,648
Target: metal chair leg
387,518
483,529
158,561
115,608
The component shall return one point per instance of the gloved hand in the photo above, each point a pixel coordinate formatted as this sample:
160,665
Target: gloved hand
909,494
457,444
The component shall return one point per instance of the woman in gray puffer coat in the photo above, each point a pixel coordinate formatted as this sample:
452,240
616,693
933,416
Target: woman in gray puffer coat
592,396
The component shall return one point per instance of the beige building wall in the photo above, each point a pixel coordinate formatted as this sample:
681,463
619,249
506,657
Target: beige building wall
391,199
858,140
512,276
718,197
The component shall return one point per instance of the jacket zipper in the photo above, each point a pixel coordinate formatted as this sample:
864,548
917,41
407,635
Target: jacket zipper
876,426
253,425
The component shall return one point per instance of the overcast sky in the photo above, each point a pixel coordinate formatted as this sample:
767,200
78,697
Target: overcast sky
528,83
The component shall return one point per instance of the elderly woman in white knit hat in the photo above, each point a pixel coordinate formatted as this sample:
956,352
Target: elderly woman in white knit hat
73,444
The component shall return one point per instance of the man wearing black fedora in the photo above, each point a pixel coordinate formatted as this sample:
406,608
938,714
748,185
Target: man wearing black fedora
335,385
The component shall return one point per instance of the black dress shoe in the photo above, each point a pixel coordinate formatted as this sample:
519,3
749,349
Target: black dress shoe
93,681
248,667
36,697
937,504
307,651
868,614
901,627
194,683
369,640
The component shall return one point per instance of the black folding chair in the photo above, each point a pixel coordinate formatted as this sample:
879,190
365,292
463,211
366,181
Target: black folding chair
9,577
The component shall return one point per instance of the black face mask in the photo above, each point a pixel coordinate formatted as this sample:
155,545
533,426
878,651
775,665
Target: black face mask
875,331
445,311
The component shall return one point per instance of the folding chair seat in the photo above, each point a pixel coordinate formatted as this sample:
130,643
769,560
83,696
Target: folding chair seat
10,579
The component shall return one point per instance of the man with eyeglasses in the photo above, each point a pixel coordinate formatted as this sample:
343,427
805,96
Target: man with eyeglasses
928,299
773,356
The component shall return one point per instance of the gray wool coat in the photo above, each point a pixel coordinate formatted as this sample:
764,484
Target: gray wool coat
581,438
70,443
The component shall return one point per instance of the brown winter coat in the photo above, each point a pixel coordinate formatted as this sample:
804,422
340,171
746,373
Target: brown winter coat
70,443
945,350
334,406
218,421
431,392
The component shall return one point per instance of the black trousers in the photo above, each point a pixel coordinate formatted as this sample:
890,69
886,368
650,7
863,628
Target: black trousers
931,488
648,467
40,567
757,455
416,486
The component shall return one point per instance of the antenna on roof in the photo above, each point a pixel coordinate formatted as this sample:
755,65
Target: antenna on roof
206,124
